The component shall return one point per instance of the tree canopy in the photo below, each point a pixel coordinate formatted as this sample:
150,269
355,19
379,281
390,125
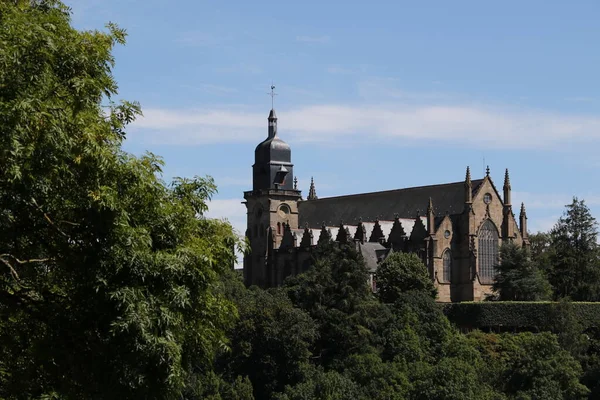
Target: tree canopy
574,256
107,273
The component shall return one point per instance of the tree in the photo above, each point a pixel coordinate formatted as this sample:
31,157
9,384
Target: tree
517,277
402,272
271,342
335,293
575,255
107,275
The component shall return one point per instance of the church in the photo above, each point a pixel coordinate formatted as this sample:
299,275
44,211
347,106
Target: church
455,228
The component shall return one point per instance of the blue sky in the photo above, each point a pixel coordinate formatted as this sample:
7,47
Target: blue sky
371,95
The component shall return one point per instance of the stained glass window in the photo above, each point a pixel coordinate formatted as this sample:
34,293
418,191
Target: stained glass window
488,251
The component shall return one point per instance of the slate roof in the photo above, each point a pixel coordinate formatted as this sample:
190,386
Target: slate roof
384,205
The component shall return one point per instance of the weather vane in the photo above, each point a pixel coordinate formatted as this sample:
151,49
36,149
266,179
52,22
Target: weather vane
273,94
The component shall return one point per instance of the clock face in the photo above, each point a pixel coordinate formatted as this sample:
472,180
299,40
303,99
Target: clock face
447,234
487,198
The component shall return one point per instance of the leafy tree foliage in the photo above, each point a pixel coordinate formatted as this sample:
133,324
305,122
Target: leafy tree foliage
575,255
530,366
518,278
106,273
270,343
402,272
336,295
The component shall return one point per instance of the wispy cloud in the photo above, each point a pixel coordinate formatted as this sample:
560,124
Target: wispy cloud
313,39
465,125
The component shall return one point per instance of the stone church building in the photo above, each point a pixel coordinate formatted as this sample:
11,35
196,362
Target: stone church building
455,228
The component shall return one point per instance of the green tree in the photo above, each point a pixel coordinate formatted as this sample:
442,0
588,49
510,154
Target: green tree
271,342
400,273
335,293
540,246
575,255
530,366
107,275
518,278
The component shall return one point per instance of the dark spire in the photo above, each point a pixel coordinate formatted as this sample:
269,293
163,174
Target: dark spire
468,187
506,179
507,188
430,217
487,171
312,193
523,224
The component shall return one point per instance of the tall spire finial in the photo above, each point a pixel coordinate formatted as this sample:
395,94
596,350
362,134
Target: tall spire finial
506,189
312,193
468,187
272,94
487,171
295,183
523,209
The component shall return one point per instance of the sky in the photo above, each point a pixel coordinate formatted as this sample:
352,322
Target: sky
371,95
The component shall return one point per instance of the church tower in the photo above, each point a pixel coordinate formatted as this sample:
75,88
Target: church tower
271,205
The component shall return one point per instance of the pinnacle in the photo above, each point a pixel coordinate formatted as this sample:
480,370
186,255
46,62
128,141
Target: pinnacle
506,178
312,193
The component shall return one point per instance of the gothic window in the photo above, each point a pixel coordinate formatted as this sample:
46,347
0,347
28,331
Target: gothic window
488,251
447,269
279,228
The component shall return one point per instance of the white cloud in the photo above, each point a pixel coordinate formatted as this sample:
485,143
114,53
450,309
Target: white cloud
465,125
313,39
233,211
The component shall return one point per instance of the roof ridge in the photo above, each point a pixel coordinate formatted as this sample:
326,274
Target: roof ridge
395,190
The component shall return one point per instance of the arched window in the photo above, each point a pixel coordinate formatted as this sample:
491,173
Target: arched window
488,251
279,228
447,261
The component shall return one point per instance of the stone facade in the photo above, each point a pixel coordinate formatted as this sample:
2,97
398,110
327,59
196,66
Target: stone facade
457,235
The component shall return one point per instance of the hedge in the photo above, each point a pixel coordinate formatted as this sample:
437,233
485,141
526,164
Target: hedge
515,315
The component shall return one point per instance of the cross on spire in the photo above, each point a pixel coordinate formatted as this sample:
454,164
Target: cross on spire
272,94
